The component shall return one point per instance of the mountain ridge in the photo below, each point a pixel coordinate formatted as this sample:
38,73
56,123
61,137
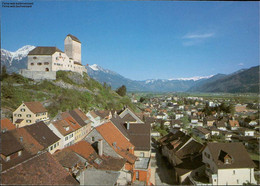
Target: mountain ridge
14,61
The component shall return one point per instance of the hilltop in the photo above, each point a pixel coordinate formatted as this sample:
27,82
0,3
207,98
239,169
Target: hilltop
70,90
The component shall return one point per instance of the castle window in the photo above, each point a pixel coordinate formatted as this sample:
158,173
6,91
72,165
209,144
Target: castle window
34,57
46,63
39,63
22,110
32,63
19,115
28,115
28,121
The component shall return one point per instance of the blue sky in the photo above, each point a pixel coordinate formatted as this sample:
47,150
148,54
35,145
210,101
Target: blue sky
143,39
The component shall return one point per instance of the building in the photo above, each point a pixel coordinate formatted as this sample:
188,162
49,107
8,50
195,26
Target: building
228,164
6,125
28,113
44,62
41,169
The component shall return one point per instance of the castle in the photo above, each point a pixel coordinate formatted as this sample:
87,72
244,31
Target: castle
44,62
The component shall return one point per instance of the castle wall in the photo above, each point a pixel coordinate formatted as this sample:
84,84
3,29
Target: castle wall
38,75
39,63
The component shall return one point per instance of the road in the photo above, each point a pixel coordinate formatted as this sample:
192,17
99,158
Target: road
164,174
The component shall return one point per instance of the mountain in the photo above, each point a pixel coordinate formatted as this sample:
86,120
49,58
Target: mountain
242,81
14,61
115,80
217,83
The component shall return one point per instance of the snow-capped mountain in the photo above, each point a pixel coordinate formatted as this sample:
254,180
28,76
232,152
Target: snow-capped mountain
195,78
15,60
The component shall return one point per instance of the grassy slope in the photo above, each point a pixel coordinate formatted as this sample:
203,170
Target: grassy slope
15,89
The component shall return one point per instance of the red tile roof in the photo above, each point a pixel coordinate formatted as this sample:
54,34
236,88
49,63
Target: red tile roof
35,107
28,142
233,123
73,123
62,125
41,169
84,149
116,140
6,124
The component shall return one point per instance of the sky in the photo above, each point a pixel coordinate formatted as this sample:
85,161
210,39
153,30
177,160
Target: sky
143,39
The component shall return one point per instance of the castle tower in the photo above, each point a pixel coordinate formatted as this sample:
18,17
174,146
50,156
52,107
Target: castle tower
72,47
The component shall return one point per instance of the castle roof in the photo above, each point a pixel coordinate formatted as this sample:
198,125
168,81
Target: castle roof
44,50
74,38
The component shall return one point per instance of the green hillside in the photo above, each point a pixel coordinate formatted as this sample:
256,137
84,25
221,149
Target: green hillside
70,90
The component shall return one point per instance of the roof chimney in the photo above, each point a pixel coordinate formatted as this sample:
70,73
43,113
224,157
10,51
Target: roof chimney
128,125
100,147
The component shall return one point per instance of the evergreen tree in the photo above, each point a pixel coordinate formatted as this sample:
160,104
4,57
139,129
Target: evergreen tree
121,91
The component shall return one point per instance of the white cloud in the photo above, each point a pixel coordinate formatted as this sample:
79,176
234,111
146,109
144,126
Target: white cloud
241,64
198,36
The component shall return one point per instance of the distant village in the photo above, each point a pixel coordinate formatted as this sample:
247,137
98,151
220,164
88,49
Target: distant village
121,147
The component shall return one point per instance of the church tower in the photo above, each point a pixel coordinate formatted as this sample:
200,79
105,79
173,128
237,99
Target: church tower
72,47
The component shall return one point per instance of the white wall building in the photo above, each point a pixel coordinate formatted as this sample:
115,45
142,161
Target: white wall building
228,164
44,62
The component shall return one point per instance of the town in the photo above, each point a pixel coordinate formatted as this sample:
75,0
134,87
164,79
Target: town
172,140
130,93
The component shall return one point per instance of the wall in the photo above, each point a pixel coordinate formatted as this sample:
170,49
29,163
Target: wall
38,75
147,154
226,176
33,64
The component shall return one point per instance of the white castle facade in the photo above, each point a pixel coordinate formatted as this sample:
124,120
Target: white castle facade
44,62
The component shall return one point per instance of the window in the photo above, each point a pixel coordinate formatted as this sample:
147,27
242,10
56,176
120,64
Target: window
93,138
22,110
46,63
234,172
19,115
28,121
39,63
237,181
55,145
137,175
142,154
51,147
19,153
32,63
28,115
66,138
34,57
15,114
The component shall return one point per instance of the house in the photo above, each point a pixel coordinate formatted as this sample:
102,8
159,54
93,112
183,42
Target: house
178,146
228,164
23,143
64,130
246,132
178,115
28,113
194,119
44,136
114,144
201,132
209,121
233,124
42,169
96,120
6,125
221,125
183,152
129,116
44,62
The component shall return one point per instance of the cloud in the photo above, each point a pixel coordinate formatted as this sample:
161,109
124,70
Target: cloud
241,64
198,36
195,38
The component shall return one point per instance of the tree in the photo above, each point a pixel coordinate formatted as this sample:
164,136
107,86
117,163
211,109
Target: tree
3,72
121,91
142,99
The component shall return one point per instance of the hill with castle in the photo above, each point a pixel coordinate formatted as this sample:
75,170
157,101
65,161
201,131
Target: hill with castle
43,61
